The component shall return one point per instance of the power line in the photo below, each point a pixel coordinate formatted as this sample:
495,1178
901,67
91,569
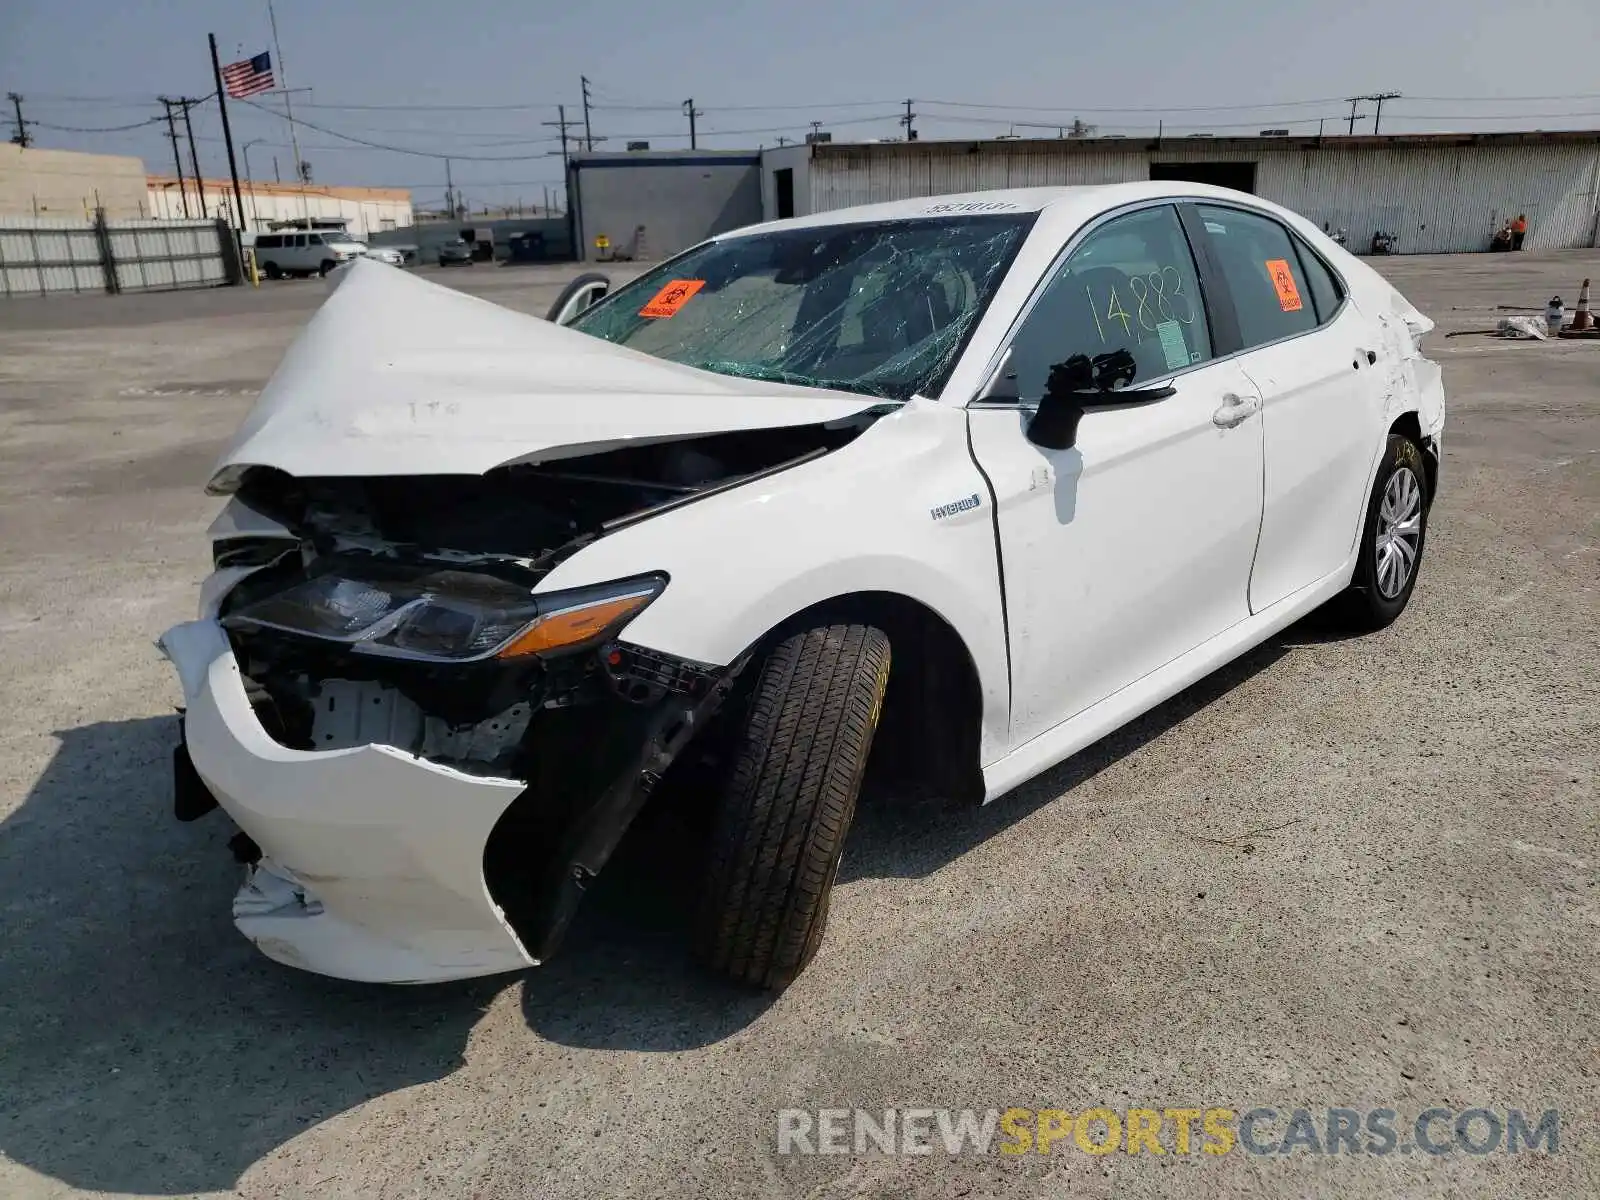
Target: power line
1504,99
816,107
94,129
1167,108
962,120
401,149
1561,116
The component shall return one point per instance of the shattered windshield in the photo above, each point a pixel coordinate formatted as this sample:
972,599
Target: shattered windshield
880,308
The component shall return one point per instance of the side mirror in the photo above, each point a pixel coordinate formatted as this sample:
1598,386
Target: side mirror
1082,383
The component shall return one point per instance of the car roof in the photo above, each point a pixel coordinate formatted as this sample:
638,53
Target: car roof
1080,202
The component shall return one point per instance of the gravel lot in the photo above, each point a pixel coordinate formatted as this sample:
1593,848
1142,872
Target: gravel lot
1340,872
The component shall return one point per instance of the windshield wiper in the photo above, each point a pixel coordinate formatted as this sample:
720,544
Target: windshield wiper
768,374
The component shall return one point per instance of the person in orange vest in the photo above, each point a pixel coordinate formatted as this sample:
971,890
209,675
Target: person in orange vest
1519,230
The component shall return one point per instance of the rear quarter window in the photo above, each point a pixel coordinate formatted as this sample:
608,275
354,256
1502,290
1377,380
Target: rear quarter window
1326,292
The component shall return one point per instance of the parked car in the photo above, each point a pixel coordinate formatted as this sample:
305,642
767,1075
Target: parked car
455,253
316,253
392,255
952,485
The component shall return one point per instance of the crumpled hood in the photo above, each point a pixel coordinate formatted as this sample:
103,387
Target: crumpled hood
398,376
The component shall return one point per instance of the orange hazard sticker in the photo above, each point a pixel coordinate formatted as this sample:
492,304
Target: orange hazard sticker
1283,281
671,298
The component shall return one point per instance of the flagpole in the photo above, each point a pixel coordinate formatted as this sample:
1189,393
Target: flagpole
288,107
227,132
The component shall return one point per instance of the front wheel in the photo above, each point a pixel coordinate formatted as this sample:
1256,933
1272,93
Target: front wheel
787,803
587,289
1392,539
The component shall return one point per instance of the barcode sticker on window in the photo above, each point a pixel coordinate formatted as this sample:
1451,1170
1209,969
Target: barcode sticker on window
1171,335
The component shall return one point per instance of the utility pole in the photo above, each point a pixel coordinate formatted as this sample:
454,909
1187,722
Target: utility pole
177,158
227,132
911,132
560,123
20,138
194,159
1355,100
449,190
690,111
1380,98
588,132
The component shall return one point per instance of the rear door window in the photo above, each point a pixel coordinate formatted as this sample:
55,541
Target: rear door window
1257,257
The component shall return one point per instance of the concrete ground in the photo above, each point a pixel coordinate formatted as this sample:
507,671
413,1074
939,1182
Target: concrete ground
1341,872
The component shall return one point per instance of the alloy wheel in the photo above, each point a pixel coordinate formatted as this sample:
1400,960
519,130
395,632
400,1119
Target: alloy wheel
1399,534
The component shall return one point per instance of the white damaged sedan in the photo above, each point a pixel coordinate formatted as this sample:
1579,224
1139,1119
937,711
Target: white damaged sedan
956,484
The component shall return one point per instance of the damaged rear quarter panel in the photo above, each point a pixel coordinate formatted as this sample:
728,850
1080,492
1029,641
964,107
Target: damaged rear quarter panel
857,520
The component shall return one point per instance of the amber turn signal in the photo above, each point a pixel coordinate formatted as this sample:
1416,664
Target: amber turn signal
574,626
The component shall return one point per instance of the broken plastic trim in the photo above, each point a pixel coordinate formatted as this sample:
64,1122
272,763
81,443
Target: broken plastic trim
592,835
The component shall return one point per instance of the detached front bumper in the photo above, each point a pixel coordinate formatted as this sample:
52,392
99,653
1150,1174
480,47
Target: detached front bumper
372,860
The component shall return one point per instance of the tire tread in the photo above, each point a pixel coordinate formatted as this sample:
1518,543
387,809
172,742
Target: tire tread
788,802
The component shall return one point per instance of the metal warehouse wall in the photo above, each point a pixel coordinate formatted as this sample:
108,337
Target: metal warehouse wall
679,199
1436,197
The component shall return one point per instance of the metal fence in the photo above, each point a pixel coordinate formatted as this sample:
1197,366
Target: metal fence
43,258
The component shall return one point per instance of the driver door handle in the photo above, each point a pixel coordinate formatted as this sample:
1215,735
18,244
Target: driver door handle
1235,410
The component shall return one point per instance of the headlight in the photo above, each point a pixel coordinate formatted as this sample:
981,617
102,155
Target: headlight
447,616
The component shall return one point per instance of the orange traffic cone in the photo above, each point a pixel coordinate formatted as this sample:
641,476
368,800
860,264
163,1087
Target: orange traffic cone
1580,316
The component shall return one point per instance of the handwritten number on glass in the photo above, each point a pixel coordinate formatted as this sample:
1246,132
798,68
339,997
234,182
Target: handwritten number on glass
1154,303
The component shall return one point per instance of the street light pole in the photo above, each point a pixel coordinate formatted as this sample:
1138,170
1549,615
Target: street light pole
249,179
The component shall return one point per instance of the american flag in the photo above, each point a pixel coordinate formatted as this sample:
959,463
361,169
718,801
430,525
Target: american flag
248,76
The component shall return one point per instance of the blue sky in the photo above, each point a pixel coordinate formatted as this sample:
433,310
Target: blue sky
477,79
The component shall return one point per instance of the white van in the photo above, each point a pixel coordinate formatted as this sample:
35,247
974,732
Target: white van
315,253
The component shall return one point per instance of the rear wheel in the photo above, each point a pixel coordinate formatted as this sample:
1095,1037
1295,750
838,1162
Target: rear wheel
1392,539
788,801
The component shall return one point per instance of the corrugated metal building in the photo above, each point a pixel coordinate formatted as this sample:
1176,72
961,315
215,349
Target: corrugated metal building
1438,193
651,204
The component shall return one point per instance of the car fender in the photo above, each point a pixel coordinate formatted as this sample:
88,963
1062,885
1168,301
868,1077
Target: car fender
901,509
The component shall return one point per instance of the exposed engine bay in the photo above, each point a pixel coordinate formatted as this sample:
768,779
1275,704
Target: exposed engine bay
503,531
537,513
